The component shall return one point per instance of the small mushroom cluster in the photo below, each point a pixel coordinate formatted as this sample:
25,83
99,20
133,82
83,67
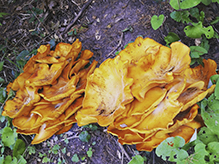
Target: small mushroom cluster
147,93
49,91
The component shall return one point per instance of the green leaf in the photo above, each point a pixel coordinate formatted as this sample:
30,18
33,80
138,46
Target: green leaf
156,21
1,65
1,159
206,2
70,33
2,80
180,16
55,149
210,114
75,158
3,14
31,150
213,149
52,43
8,136
127,44
214,78
64,150
194,12
198,157
137,159
171,37
3,95
46,159
9,159
89,152
21,160
215,1
10,94
117,52
84,136
19,148
2,118
207,136
197,51
205,44
215,21
22,58
176,15
184,4
216,91
170,147
197,30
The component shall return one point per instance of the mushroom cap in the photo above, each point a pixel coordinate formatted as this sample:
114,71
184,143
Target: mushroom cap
44,134
106,94
30,122
63,88
136,50
22,103
46,74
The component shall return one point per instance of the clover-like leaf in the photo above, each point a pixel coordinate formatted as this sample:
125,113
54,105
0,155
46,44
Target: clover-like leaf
84,136
75,158
180,16
9,159
171,148
19,148
156,21
185,4
213,149
197,30
197,51
8,136
21,160
89,152
171,37
137,159
197,157
210,114
207,136
214,78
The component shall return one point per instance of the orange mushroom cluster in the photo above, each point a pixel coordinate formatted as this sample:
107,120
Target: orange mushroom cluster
49,91
147,93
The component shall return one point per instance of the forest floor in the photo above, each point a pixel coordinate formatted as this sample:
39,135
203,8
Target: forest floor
104,27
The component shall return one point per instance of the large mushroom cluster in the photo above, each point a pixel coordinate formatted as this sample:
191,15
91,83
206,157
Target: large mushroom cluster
145,94
49,91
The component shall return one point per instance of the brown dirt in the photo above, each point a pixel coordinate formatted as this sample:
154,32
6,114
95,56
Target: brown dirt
99,28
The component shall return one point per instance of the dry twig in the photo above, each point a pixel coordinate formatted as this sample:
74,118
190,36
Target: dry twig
76,18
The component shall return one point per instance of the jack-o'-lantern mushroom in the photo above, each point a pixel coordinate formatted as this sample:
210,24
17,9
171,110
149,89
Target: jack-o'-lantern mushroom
49,91
152,117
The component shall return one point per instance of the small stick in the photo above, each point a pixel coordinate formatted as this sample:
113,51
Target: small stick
76,18
120,42
123,150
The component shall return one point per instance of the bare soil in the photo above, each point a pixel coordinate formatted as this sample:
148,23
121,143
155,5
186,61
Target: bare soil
104,27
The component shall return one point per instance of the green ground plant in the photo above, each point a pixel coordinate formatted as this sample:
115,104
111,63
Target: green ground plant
206,143
1,15
185,12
